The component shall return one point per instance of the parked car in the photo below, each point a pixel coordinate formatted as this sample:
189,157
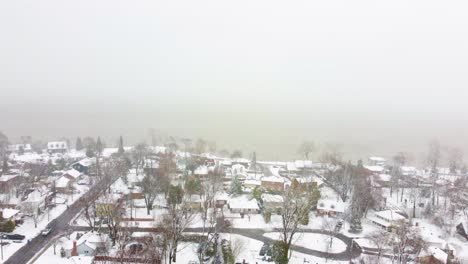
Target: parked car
13,236
264,249
46,231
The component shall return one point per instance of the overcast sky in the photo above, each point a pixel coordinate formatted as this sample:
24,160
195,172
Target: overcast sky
380,76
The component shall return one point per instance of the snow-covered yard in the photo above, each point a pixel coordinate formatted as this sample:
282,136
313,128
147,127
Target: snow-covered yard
251,248
312,241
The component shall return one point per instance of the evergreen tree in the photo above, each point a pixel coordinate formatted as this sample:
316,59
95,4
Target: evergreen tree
79,144
5,164
121,148
280,252
236,187
9,226
99,146
355,225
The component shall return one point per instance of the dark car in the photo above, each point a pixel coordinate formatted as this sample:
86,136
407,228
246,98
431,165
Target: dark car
264,249
13,237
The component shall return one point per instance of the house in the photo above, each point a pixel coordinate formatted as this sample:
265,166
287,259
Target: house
273,183
433,255
201,172
243,205
221,199
62,185
387,219
303,165
462,229
151,166
238,170
19,148
375,169
88,244
33,202
195,202
73,175
330,207
57,147
376,161
272,202
252,184
106,204
8,214
83,166
7,182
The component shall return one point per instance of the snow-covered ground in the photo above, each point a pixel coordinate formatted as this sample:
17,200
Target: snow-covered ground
314,241
250,250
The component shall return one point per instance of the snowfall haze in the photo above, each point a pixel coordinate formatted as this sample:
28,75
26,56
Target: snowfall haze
262,76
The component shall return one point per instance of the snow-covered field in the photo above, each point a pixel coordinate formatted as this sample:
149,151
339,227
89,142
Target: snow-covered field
314,241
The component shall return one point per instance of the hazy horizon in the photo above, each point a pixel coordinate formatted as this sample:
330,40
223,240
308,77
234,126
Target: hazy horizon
258,76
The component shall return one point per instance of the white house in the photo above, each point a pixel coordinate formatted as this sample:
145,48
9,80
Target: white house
244,205
19,147
87,244
272,202
330,207
72,175
57,147
376,161
386,219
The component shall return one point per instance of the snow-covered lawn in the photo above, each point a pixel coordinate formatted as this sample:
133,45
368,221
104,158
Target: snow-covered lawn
312,241
251,248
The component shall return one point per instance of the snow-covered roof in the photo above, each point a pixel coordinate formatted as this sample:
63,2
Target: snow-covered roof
377,159
221,196
57,145
35,197
331,206
86,162
119,186
390,215
252,182
301,164
273,179
272,198
62,182
243,202
8,213
201,170
5,178
240,160
378,169
385,177
436,252
73,173
17,147
291,166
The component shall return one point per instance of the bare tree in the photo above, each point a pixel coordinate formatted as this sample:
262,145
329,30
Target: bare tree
178,218
237,247
455,159
433,159
405,241
295,208
306,148
139,154
381,240
200,146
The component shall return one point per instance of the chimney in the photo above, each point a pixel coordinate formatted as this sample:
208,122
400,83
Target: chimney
74,252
